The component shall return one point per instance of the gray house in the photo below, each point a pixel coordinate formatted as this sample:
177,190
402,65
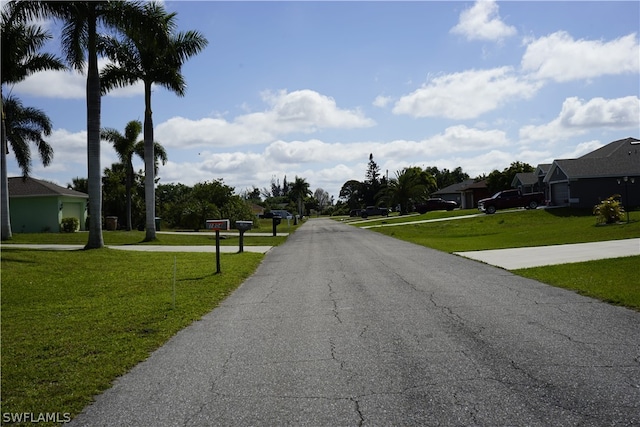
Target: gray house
38,206
587,180
466,193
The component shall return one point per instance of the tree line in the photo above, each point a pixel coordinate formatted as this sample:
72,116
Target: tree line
413,184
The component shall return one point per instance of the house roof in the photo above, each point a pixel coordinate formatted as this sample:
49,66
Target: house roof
616,159
525,178
459,187
543,168
619,148
454,188
30,187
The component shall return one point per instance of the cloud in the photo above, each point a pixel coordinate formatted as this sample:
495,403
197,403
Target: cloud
381,101
69,84
577,117
581,149
466,95
482,22
303,111
561,58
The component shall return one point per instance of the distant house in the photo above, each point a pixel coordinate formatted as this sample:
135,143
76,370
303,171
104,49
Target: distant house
466,193
526,182
257,210
587,180
39,206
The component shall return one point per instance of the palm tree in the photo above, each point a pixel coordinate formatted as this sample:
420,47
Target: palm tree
410,185
79,37
126,146
153,55
24,124
300,190
21,44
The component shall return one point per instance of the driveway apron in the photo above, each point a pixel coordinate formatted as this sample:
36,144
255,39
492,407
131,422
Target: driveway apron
343,326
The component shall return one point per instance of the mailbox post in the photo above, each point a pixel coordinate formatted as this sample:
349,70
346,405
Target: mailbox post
243,226
275,221
217,225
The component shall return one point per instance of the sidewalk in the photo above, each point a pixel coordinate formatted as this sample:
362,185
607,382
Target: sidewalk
147,248
512,259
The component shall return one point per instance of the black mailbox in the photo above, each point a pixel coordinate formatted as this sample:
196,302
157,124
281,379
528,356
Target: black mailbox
243,226
276,221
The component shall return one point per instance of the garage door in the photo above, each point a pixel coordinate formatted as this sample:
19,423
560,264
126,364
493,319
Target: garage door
560,194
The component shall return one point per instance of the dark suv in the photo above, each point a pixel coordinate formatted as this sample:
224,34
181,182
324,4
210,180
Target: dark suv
436,205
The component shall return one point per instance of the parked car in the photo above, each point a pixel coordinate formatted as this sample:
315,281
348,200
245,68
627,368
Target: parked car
511,199
436,204
374,210
355,212
278,212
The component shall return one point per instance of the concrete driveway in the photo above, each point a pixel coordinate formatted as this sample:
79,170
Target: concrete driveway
514,258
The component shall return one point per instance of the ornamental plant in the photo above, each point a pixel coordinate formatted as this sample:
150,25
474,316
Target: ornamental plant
609,211
69,225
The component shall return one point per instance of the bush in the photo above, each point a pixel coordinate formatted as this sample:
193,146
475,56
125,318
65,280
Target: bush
69,225
609,211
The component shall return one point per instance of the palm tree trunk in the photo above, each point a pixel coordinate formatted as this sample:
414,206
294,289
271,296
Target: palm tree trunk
94,180
128,191
4,213
149,164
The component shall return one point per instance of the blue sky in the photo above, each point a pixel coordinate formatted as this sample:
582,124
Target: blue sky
310,89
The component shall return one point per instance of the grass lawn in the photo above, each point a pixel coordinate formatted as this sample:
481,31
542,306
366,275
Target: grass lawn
74,321
510,229
612,280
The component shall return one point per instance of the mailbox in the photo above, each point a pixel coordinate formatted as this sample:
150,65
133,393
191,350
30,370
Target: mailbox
217,224
276,221
243,226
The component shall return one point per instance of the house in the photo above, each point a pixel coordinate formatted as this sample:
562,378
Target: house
531,182
466,193
587,180
526,182
39,206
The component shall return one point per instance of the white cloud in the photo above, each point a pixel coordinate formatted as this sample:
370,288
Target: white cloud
577,117
467,94
69,84
381,101
581,149
561,58
303,111
482,22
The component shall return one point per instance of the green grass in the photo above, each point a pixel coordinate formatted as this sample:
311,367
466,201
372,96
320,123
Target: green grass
74,321
137,237
612,280
511,230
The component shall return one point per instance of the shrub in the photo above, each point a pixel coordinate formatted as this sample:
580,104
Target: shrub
69,225
609,211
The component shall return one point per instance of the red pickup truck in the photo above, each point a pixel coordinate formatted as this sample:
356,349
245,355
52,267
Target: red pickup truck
511,199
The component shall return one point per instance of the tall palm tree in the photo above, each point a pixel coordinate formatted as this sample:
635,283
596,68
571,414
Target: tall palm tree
300,190
153,55
126,146
81,20
21,44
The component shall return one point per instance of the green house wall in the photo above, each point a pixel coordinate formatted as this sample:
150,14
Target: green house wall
44,214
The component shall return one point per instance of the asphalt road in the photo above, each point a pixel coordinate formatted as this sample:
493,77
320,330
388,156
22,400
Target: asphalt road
344,327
